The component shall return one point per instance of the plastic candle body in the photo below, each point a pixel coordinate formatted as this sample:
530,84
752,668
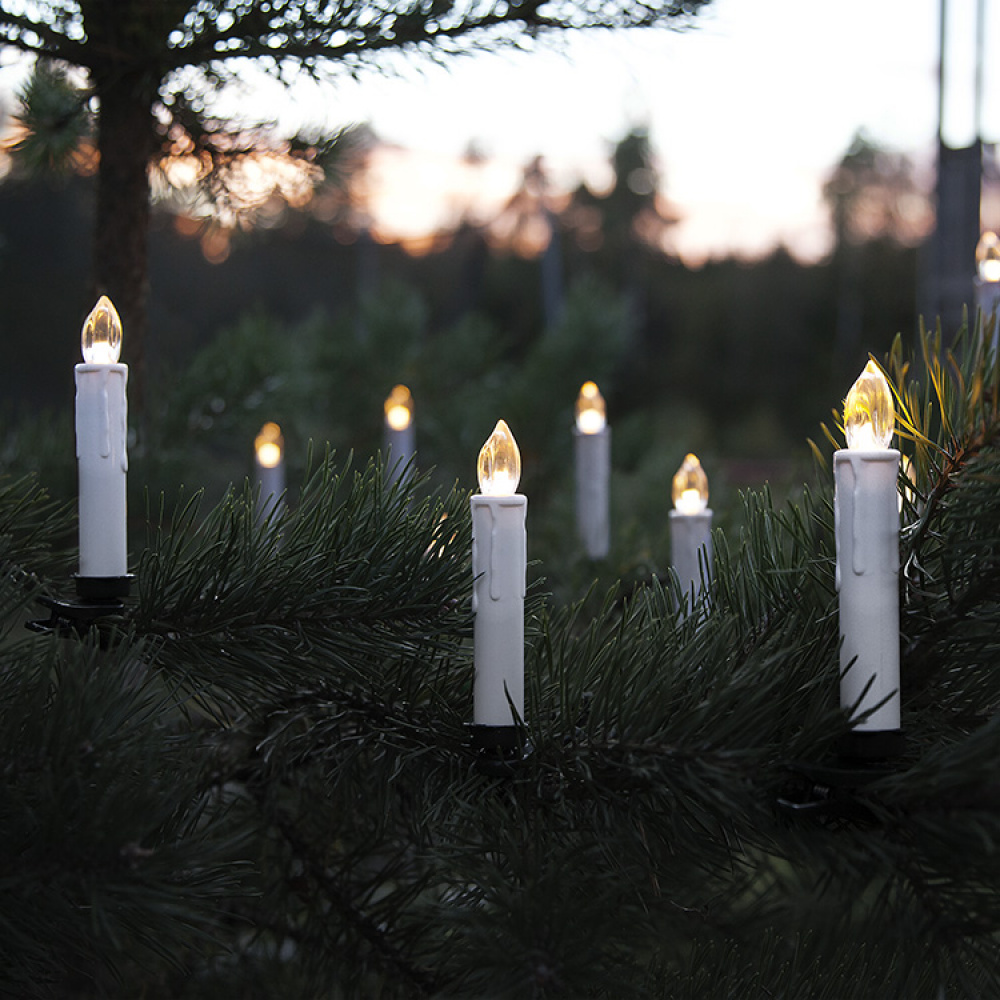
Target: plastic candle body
400,444
592,452
269,468
691,526
102,453
988,276
866,514
499,564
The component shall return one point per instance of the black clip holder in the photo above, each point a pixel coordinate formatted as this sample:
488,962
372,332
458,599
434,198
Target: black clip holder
835,790
500,749
97,597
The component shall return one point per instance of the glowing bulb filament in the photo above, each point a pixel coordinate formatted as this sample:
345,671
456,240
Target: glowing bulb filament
591,413
499,465
399,408
101,337
269,445
869,416
690,487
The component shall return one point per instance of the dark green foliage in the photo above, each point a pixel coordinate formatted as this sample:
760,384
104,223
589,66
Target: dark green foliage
261,785
32,526
354,575
589,342
113,849
255,371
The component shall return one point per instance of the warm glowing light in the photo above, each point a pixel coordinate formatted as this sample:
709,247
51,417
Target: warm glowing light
988,256
101,338
690,490
399,408
591,413
257,183
499,465
869,416
269,445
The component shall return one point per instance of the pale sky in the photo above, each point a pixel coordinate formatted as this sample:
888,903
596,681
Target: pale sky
748,112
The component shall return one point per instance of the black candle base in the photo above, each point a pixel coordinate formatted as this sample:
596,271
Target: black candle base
871,745
103,588
501,749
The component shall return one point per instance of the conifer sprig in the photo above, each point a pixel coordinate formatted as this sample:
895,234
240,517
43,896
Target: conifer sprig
354,574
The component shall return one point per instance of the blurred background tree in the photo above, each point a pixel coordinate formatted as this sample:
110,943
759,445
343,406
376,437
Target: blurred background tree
879,216
304,314
150,68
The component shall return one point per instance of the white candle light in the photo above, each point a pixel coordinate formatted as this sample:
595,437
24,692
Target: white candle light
269,468
399,431
988,276
102,455
592,447
690,525
499,564
866,518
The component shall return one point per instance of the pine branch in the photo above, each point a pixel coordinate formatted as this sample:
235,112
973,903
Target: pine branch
110,853
293,693
32,525
416,978
354,576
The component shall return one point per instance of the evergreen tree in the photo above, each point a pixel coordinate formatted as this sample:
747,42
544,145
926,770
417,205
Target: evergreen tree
879,214
256,780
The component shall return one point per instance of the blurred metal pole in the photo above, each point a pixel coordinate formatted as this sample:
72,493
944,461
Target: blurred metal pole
942,39
980,64
948,266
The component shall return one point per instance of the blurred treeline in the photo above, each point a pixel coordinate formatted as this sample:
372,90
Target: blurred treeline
309,321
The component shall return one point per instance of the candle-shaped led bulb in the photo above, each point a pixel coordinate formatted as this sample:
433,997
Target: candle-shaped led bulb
102,455
691,527
592,450
269,468
101,337
988,257
866,531
269,445
690,487
499,464
591,413
869,416
499,561
399,408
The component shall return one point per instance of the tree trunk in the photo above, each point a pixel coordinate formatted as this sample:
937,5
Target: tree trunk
126,138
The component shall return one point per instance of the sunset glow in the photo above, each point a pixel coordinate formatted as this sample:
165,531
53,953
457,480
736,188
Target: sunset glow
408,195
744,166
